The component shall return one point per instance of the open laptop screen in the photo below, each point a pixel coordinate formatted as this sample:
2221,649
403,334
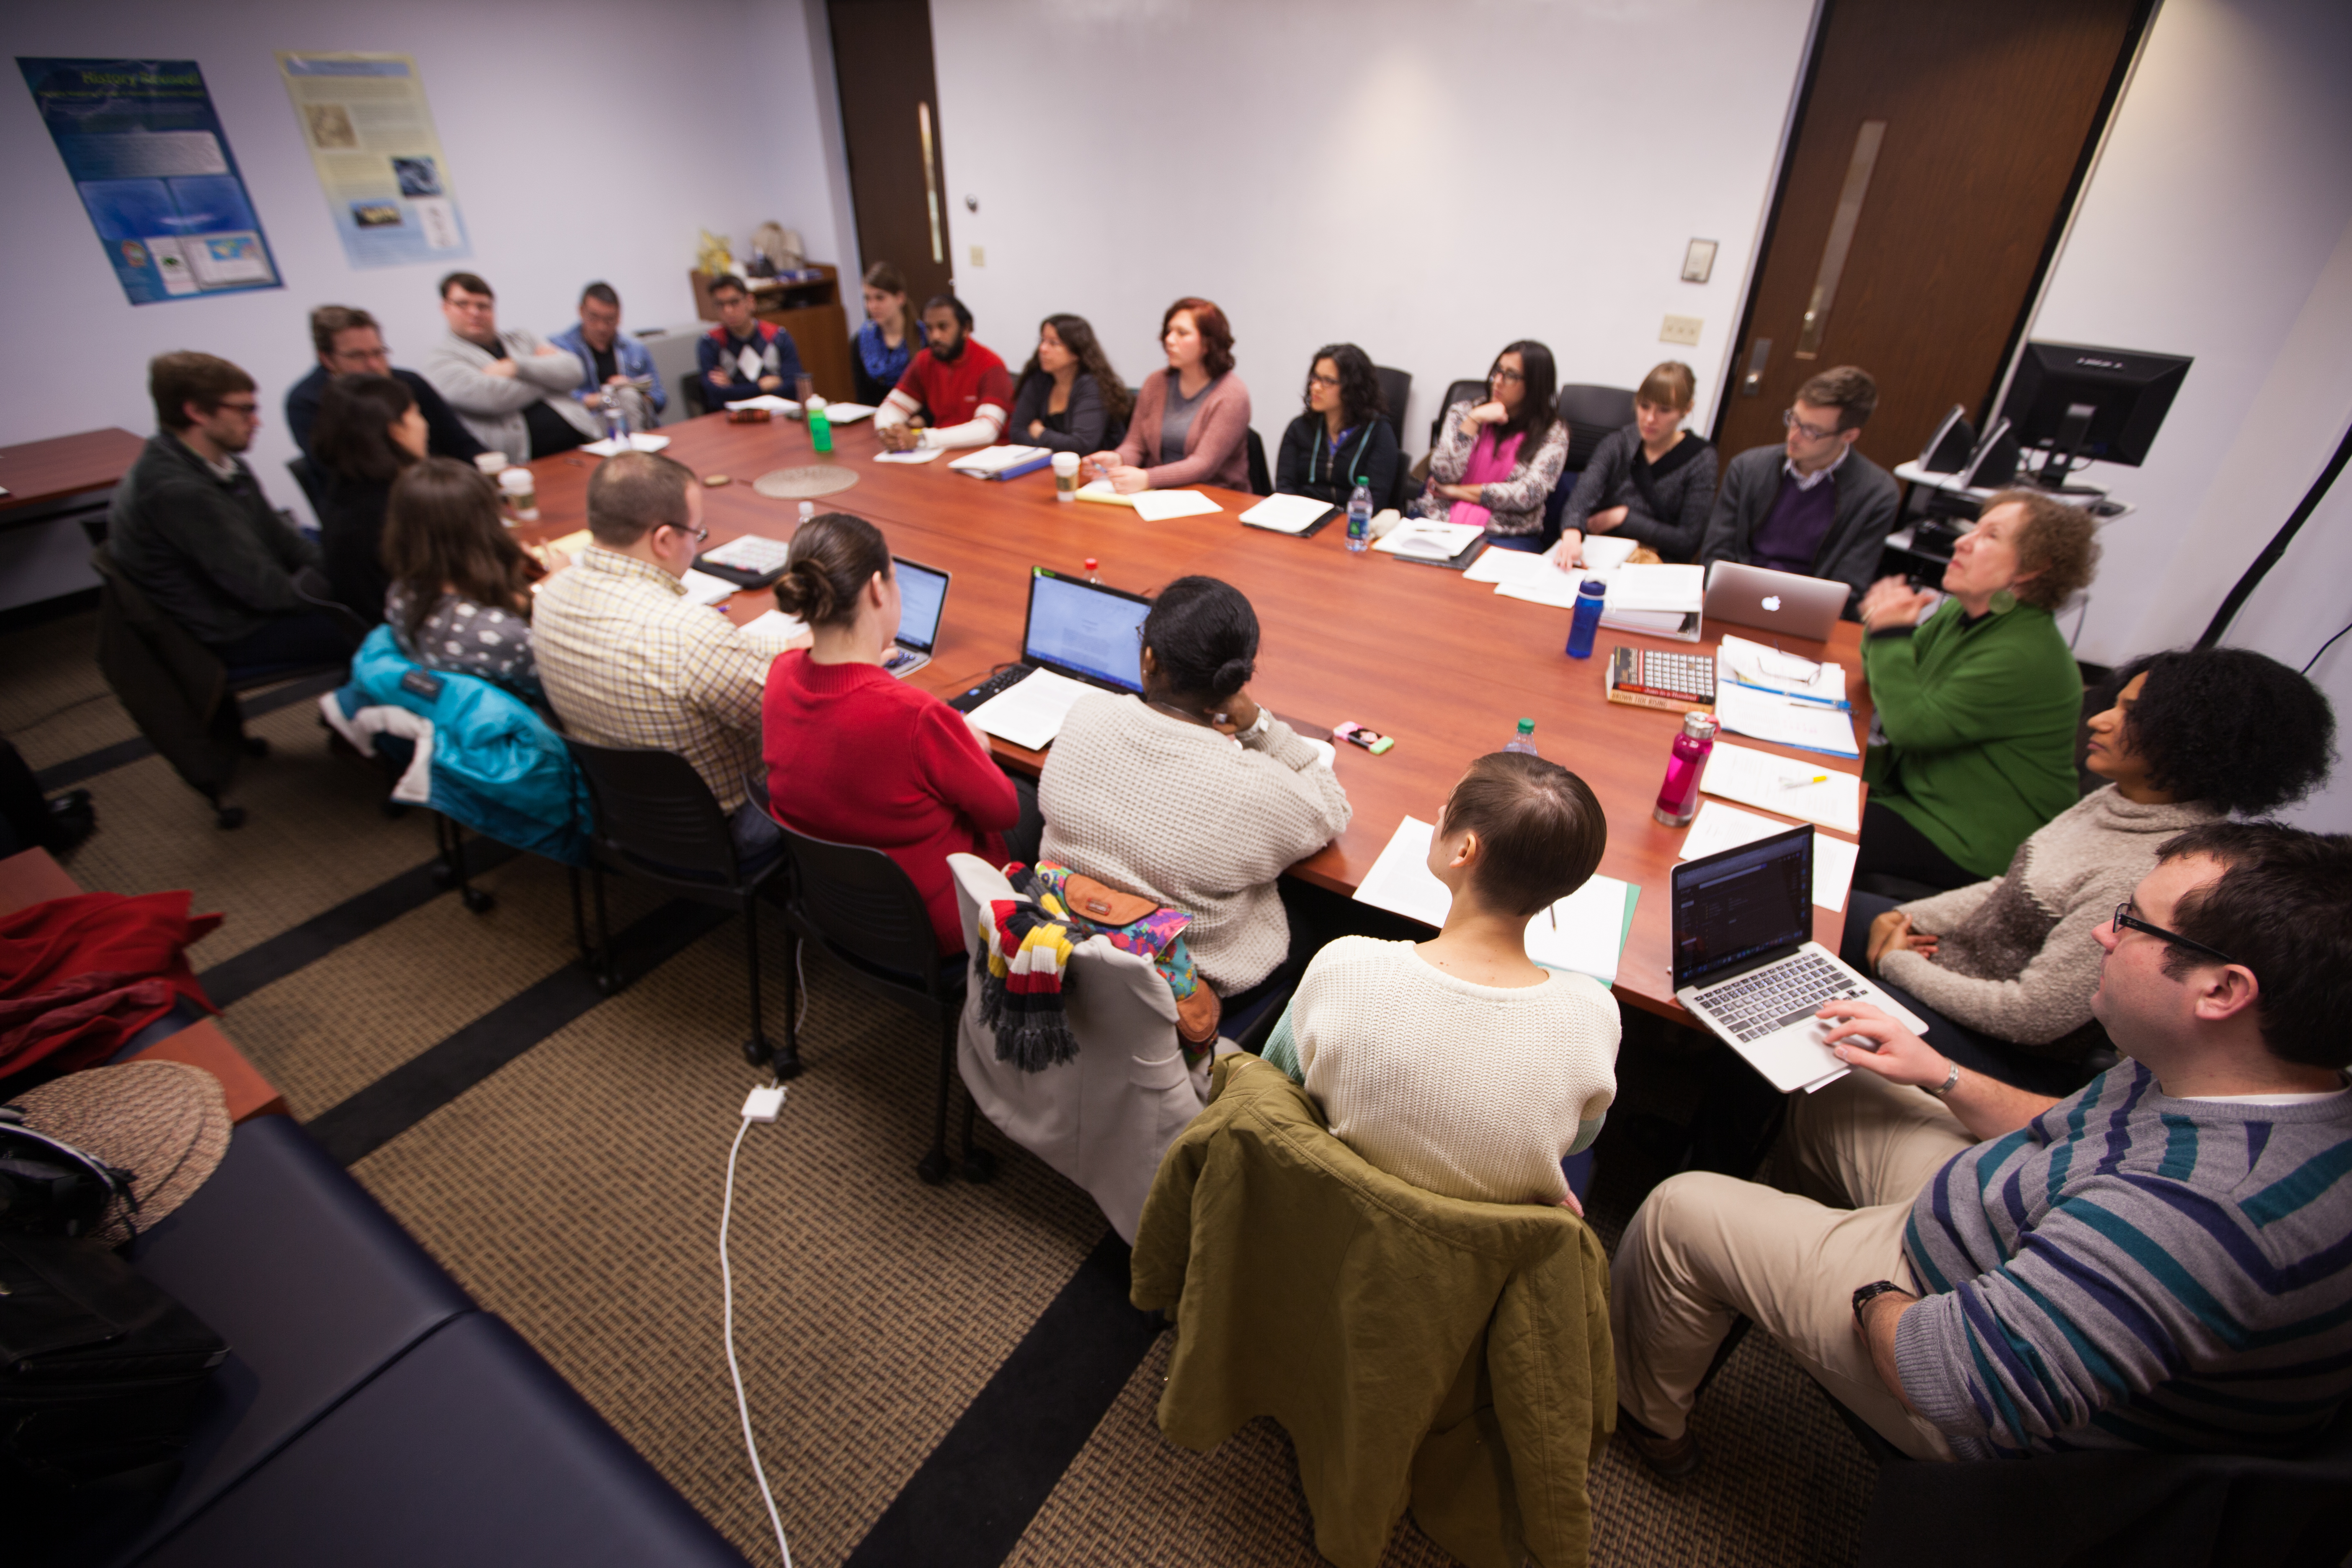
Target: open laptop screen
1084,630
922,595
1732,906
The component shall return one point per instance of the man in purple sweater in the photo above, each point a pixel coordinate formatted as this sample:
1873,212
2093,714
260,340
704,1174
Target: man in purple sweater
2161,1261
1811,505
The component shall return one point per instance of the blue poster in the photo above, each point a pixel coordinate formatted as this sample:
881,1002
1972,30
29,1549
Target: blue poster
148,157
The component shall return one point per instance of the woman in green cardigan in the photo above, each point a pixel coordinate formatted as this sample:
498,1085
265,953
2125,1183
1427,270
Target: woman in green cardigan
1978,699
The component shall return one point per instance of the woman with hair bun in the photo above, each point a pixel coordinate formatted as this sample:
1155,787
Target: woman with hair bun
1153,795
856,756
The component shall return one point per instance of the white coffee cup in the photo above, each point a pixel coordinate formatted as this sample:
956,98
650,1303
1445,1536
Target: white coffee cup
521,490
1065,476
492,463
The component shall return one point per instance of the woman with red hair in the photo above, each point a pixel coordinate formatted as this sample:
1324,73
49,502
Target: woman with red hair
1191,421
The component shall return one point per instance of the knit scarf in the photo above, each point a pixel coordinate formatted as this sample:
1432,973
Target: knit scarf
1027,943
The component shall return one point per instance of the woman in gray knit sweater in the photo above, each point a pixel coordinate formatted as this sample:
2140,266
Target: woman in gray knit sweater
2003,970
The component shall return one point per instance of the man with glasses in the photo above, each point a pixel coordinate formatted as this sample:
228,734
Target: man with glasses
613,362
190,528
348,343
2160,1261
511,388
1810,504
628,661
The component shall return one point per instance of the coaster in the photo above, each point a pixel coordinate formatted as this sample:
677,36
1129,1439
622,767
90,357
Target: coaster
799,484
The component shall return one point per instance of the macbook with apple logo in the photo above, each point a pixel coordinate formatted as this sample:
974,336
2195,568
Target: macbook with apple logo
1771,601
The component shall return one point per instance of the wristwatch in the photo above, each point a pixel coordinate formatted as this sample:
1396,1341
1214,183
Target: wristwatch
1871,1293
1257,726
1951,1081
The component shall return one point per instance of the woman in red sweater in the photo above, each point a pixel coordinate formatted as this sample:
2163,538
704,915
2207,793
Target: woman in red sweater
855,756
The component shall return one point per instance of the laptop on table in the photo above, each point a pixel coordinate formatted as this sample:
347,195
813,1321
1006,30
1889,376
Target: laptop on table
922,599
1080,636
1745,965
1773,600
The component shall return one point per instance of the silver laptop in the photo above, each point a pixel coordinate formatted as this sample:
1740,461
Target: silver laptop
1746,964
922,598
1773,600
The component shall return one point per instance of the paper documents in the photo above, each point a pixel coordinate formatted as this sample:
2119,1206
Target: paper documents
1100,490
767,400
1585,931
642,441
1721,828
1783,784
702,588
1431,540
1499,566
1287,514
751,552
1159,506
775,626
1603,553
847,413
1677,589
572,544
1785,720
995,459
1769,670
916,454
1030,711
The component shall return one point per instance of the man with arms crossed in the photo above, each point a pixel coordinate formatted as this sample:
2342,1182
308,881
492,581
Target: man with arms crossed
1810,505
627,661
509,387
348,343
2158,1261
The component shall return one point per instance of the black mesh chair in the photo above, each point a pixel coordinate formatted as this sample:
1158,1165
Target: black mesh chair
1593,413
1396,387
1455,392
656,820
1261,477
864,909
314,481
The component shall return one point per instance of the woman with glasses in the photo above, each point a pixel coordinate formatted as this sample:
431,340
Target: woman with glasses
1191,421
2005,968
1344,439
1068,398
1651,483
1495,462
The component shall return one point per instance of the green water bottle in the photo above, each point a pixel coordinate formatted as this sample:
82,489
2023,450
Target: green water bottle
820,427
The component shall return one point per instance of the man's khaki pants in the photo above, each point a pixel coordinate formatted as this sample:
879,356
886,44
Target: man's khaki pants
1705,1250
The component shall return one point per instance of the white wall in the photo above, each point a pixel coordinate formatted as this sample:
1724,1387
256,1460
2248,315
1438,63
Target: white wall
590,140
1429,183
2218,223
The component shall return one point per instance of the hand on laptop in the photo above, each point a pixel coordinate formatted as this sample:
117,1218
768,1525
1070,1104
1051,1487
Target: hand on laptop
1891,602
1862,1037
1892,931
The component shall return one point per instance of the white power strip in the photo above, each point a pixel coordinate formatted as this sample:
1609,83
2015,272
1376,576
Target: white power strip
761,1104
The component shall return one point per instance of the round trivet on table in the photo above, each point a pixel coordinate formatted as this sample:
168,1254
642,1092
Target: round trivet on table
800,484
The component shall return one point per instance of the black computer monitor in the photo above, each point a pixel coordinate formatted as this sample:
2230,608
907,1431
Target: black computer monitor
2077,404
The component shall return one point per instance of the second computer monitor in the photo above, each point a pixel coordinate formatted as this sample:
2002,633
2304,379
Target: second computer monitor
2128,394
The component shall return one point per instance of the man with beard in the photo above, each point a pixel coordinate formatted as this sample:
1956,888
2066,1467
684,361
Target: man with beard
962,385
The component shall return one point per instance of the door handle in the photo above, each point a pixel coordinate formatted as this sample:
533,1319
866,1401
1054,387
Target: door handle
1760,353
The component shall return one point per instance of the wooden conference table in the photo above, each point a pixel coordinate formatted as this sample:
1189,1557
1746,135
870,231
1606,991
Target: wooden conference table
1447,668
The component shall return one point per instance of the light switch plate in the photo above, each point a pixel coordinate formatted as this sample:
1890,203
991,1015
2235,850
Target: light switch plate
979,256
1681,329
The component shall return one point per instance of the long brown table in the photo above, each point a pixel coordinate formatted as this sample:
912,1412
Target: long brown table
1447,668
37,471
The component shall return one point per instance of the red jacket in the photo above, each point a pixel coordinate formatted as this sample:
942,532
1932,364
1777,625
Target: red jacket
79,976
858,757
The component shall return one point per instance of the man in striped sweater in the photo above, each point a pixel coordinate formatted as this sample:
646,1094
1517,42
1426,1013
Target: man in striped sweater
2162,1260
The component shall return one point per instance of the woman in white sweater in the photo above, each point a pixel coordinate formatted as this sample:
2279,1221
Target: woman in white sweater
2004,969
1192,794
1459,1063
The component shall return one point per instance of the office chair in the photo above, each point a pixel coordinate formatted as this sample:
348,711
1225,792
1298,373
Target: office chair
1396,387
1593,413
1261,477
313,481
858,904
1471,391
656,820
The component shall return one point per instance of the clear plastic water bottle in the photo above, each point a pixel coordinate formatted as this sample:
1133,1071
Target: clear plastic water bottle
1685,766
808,512
616,421
1590,598
1360,519
1525,741
820,425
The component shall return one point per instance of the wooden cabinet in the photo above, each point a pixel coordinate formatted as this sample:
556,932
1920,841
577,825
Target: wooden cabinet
811,310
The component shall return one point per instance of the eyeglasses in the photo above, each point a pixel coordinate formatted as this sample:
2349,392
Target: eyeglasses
2127,921
233,405
1788,417
1498,374
699,533
1322,381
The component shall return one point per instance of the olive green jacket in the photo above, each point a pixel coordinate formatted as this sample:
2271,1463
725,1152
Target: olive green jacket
1981,723
1417,1349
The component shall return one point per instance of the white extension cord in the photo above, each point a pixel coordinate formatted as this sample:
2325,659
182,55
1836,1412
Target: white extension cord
761,1104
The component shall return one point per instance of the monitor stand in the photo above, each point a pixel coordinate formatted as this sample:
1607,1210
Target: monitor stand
2051,475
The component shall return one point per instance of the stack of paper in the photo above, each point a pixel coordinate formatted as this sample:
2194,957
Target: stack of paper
702,588
1100,490
913,455
1661,600
1785,720
644,441
1287,514
996,459
1720,827
1778,783
847,413
1429,540
775,626
1159,506
767,400
1769,670
1030,711
1504,566
1584,932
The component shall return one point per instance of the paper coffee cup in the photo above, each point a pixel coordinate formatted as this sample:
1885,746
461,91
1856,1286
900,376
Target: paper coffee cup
490,463
522,491
1065,476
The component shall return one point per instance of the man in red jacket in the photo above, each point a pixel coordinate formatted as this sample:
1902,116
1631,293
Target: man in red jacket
963,384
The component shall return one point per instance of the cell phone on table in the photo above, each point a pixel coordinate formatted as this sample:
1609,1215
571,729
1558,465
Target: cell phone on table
1356,734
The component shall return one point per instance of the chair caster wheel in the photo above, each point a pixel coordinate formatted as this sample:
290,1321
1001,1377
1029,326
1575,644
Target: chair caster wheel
255,746
230,819
608,983
443,875
980,1165
478,901
786,1064
933,1167
392,810
758,1052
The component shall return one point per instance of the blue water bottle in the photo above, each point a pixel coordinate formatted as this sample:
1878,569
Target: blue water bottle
1589,600
1360,519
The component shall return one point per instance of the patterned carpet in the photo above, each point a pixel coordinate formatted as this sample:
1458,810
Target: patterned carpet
561,1152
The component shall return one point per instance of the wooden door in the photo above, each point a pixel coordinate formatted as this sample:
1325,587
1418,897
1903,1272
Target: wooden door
1939,147
890,123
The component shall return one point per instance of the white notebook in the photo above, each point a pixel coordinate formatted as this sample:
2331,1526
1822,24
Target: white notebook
1030,711
1287,514
1793,788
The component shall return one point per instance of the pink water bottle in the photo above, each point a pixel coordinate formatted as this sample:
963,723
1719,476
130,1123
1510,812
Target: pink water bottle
1678,797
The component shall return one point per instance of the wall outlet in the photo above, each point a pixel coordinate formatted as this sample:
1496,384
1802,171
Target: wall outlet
1681,329
979,259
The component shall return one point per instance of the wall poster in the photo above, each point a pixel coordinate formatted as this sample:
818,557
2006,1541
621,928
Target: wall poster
147,155
379,160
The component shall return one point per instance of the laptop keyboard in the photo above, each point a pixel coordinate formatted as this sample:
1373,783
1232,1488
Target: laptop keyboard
1777,994
1004,679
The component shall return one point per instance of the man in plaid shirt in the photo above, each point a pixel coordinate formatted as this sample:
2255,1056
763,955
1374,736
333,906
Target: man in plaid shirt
628,661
